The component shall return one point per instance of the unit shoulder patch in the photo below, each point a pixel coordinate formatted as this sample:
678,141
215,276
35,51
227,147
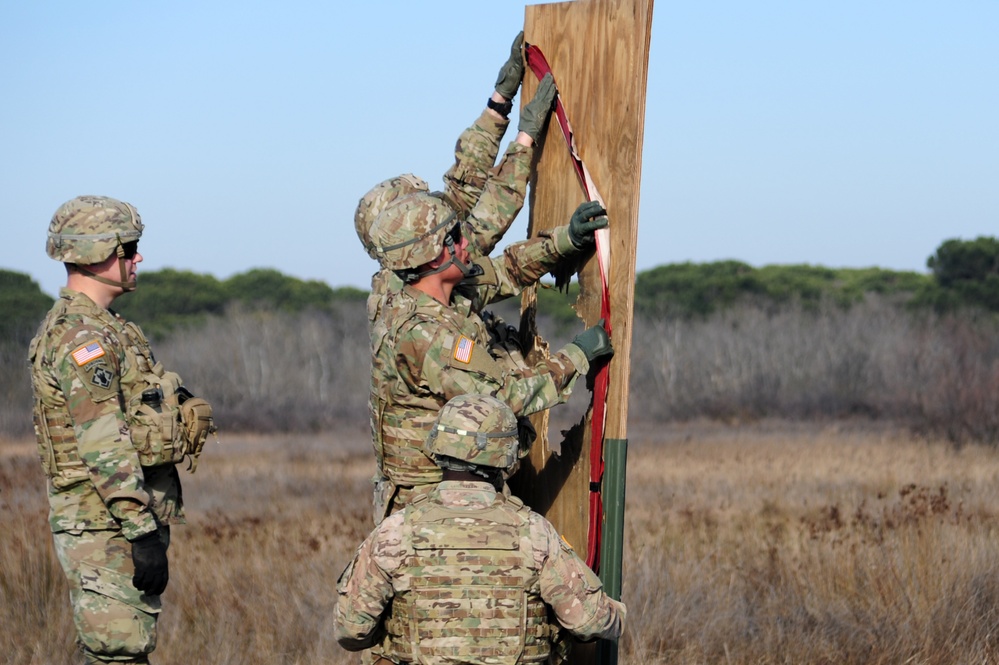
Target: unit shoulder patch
102,377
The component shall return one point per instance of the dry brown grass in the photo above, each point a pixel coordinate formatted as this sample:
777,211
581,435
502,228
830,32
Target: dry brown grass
780,544
762,543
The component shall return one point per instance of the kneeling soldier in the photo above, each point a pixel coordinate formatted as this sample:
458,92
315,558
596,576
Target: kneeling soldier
465,574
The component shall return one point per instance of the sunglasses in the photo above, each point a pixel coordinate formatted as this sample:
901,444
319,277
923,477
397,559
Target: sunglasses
454,235
130,249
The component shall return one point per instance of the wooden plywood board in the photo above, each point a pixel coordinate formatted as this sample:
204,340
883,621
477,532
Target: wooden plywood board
598,51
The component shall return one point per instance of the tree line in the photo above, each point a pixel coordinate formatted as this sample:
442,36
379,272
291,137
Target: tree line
715,340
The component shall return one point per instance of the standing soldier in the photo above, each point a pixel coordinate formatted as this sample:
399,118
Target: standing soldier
484,201
465,574
430,343
111,425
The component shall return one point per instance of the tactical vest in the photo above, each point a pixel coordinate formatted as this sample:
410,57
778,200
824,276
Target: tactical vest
152,403
473,591
399,431
150,395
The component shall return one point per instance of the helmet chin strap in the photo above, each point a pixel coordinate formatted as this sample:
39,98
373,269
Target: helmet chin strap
467,269
125,283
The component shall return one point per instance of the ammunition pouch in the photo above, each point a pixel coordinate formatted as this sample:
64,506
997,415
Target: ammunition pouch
154,419
196,418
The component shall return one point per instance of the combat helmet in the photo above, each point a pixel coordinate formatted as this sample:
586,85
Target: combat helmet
476,431
412,231
377,199
89,229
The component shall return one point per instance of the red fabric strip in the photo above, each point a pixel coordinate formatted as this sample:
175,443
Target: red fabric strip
539,65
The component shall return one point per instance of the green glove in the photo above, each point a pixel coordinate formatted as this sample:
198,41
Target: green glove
534,115
594,342
589,217
512,71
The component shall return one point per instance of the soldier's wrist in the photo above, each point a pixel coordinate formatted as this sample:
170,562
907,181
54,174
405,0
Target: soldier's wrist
503,108
138,526
563,241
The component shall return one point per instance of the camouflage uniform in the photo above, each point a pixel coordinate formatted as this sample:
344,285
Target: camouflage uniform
425,352
109,457
465,574
486,199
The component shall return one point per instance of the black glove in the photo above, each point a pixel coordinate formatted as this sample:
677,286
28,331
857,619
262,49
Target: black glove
526,434
512,71
534,115
151,568
594,342
589,217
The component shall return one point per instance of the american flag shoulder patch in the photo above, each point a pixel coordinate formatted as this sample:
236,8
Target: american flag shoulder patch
87,352
463,350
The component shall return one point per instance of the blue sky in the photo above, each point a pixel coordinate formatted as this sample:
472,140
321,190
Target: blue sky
846,134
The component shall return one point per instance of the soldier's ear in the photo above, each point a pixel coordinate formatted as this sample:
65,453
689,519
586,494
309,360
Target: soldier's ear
441,259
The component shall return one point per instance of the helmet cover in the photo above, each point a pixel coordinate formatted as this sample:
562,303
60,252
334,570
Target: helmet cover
411,231
88,229
477,429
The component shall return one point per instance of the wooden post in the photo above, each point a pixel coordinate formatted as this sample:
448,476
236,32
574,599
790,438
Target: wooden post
598,51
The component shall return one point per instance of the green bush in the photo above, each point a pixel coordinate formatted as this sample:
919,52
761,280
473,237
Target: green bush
689,289
265,286
168,299
966,272
24,305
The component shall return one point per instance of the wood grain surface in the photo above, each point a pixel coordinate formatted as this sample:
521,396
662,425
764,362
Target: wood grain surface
598,51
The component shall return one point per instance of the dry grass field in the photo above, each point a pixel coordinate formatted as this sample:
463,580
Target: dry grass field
763,543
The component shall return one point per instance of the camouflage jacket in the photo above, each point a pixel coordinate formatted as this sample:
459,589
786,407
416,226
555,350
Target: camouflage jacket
487,198
80,373
402,564
425,352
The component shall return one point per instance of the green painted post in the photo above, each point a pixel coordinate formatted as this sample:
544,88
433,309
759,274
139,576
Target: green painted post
612,538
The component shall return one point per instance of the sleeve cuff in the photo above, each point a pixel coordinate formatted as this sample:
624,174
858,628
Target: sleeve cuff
139,525
563,244
519,149
491,124
578,358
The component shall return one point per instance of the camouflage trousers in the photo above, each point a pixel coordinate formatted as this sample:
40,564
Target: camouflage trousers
115,622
